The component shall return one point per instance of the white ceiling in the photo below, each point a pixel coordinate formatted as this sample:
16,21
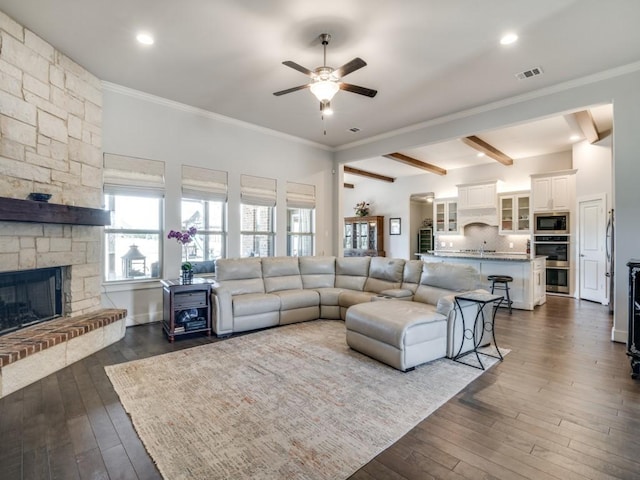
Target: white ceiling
426,58
527,140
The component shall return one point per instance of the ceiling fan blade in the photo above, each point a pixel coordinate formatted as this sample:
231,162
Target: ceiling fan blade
367,92
297,67
292,89
349,67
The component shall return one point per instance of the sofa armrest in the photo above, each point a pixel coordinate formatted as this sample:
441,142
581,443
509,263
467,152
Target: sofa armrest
222,310
397,293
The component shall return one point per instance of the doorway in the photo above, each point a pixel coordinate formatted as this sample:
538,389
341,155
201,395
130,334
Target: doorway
592,257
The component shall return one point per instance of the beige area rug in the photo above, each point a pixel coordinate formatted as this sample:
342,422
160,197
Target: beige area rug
291,402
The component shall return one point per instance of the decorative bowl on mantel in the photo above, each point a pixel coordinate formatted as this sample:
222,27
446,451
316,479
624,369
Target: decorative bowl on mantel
39,197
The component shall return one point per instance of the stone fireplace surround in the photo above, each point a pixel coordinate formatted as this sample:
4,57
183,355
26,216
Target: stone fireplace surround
51,142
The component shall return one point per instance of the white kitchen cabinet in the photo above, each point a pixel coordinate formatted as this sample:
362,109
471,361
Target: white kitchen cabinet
476,196
553,192
445,214
539,281
515,213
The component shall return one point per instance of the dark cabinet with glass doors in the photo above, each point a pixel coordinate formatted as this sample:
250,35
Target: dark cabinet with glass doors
633,341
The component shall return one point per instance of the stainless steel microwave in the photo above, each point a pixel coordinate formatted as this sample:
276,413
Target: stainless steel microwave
551,223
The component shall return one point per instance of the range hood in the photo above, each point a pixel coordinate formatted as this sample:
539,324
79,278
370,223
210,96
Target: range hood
485,216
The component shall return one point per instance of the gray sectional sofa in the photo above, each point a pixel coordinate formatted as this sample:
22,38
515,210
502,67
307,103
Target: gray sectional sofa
253,293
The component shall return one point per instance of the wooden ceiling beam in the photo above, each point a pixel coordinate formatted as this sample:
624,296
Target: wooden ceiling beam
587,125
489,150
414,162
348,185
364,173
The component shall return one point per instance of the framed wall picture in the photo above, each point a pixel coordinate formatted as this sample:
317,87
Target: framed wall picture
394,226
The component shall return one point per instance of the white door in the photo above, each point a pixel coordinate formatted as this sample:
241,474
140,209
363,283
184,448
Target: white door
592,254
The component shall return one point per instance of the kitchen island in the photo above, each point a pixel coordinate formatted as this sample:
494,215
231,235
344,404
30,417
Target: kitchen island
528,288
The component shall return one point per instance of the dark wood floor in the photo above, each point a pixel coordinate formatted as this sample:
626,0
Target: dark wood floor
561,406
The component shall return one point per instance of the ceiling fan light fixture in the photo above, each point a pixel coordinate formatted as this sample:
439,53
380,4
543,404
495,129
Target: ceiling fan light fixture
324,90
325,108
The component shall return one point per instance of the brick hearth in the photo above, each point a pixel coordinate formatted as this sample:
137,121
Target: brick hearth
32,353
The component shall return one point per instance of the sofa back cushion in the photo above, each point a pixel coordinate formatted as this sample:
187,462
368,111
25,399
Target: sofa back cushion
451,276
352,272
411,275
318,272
384,274
440,279
281,273
240,275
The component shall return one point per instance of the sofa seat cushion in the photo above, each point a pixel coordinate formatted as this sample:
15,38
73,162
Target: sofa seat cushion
255,303
329,296
292,299
350,297
396,323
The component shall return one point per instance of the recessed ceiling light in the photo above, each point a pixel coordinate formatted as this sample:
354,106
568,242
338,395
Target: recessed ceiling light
480,155
144,38
508,39
574,138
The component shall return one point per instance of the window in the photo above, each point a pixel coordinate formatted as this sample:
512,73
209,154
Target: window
301,202
209,217
133,240
257,225
257,233
300,232
134,191
204,205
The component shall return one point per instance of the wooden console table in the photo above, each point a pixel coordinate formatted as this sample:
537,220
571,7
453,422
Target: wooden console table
186,307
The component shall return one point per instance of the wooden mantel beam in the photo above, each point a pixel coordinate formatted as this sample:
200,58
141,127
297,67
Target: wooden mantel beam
587,125
364,173
489,150
414,162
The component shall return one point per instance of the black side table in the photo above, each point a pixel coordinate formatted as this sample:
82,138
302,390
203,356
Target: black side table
187,307
486,325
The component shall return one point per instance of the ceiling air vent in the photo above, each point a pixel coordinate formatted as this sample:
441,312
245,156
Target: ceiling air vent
354,129
533,72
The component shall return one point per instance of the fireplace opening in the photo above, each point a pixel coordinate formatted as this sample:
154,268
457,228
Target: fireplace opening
30,296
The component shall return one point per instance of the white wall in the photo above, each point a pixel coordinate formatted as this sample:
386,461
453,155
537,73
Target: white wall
393,199
141,125
619,87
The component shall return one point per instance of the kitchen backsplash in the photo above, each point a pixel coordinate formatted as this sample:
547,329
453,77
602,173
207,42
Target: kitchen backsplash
476,234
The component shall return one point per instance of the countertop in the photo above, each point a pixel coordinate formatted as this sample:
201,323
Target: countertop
503,256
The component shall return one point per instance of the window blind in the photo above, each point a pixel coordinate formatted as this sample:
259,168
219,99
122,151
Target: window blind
258,190
204,183
300,195
123,174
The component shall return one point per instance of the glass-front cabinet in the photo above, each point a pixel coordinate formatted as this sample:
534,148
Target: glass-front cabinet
364,236
446,216
515,213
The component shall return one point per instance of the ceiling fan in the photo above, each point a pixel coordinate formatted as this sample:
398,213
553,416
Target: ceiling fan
326,80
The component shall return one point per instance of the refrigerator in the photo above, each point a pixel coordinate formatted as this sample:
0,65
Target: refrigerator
610,241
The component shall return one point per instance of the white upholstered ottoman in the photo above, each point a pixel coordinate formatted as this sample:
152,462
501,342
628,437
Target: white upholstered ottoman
400,334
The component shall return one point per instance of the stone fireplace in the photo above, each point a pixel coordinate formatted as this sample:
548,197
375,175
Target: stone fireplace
50,142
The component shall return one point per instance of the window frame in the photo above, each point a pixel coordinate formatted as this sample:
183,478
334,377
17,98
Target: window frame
109,202
254,233
305,234
208,233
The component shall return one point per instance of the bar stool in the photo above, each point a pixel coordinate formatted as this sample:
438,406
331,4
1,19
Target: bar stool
501,282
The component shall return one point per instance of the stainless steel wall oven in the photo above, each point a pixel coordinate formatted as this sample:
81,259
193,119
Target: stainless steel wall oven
558,252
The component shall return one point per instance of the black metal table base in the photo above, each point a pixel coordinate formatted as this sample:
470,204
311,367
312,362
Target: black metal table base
482,300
